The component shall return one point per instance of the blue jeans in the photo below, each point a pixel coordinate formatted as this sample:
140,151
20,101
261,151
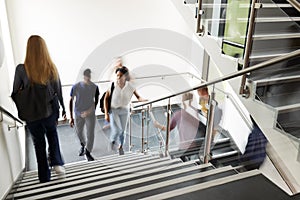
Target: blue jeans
118,124
38,130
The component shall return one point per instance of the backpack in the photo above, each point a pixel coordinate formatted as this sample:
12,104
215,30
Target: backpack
109,99
33,102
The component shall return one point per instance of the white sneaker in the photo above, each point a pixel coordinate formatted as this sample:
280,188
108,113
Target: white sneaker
60,171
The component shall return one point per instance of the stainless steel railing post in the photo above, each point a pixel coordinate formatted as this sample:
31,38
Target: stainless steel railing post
209,128
200,28
143,129
168,128
249,41
130,130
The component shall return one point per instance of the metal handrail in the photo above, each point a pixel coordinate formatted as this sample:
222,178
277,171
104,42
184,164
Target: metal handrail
295,4
4,111
143,77
228,77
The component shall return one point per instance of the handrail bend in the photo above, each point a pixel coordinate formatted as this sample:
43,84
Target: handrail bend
4,111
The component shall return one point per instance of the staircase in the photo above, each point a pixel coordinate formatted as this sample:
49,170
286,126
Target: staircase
276,33
137,176
274,100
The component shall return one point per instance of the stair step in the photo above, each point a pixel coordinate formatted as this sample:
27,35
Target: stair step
271,54
286,68
276,36
279,80
279,92
288,120
143,187
276,19
278,5
218,155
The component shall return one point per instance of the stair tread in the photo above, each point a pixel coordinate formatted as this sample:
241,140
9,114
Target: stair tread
277,19
271,53
276,36
277,80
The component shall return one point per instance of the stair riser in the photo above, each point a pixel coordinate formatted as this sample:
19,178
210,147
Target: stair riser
279,94
269,45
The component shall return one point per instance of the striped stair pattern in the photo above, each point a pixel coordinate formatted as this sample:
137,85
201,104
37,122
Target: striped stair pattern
132,176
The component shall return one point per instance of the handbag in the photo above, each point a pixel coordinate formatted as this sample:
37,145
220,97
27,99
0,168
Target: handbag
33,102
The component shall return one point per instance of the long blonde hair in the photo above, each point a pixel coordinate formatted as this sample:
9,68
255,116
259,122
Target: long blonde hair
38,65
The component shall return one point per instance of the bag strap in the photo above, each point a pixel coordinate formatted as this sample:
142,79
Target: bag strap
112,87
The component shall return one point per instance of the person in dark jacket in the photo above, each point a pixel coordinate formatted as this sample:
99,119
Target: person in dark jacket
38,68
255,151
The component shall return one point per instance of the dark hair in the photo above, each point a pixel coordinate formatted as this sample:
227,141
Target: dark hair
87,72
124,70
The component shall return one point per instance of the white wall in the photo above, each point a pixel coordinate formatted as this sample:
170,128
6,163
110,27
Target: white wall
91,33
12,143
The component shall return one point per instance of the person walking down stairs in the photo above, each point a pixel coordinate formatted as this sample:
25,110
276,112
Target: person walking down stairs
36,92
86,94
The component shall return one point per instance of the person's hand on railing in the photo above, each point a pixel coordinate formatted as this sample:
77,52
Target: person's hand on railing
140,99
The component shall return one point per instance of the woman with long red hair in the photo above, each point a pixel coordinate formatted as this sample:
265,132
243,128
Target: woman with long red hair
38,69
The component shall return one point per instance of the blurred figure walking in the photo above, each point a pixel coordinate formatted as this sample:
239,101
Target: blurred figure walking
86,94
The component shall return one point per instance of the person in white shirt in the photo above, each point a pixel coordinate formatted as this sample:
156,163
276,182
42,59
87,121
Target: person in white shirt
116,106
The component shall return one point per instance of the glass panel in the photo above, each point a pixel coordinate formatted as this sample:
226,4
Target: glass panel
286,120
188,122
237,13
227,19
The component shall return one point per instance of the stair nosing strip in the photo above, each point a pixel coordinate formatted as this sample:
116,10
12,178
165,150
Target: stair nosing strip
288,107
275,37
224,154
261,81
